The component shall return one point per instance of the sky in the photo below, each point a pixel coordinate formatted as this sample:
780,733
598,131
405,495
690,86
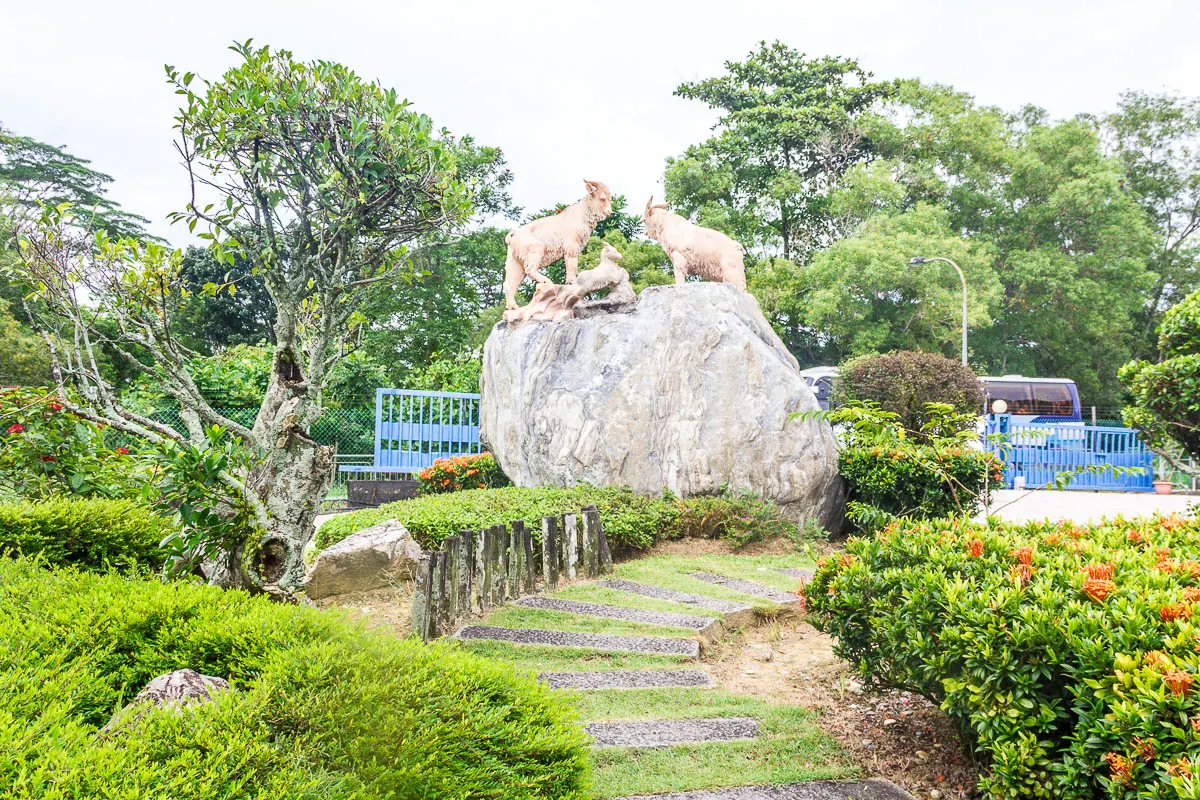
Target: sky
569,90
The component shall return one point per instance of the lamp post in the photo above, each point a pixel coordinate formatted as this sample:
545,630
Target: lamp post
918,261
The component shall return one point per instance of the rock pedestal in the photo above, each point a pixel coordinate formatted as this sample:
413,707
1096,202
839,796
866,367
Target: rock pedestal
691,391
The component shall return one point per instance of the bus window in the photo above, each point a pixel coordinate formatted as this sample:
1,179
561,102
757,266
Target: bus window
1032,399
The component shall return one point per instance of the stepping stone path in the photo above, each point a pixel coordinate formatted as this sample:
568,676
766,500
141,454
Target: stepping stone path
658,593
749,587
664,618
657,645
666,732
629,679
815,790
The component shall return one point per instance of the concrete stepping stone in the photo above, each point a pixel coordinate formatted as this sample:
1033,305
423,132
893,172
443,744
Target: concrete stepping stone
629,679
749,587
656,645
664,618
801,574
659,593
873,789
667,732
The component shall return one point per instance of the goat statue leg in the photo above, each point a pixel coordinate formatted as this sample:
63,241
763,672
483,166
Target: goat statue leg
679,262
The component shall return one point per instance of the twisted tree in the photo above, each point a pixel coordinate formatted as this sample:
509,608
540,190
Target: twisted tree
317,179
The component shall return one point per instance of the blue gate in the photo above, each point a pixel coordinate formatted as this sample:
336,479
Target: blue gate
1040,453
415,428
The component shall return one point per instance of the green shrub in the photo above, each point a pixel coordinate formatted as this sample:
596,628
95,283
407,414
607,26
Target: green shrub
478,471
320,709
90,533
894,472
906,382
1068,654
632,521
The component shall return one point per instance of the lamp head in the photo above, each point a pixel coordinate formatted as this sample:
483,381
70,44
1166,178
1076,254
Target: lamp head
917,261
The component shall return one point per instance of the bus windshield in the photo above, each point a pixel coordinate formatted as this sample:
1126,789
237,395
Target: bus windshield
1035,399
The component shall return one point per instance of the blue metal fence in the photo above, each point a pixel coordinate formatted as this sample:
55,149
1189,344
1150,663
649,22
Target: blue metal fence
1101,457
415,428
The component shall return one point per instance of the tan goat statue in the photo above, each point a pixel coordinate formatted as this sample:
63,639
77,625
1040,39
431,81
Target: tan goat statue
608,274
694,250
538,244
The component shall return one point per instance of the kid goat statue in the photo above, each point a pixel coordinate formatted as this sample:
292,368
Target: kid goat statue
694,250
540,243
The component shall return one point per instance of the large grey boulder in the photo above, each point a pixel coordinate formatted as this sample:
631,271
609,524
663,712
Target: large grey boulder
690,391
369,559
174,690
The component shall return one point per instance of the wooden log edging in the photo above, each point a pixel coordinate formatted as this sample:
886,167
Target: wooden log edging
476,571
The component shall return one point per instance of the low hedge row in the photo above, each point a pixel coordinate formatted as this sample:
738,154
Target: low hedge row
321,709
1068,654
90,533
632,521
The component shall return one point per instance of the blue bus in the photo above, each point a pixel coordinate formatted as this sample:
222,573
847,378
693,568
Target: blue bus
1032,400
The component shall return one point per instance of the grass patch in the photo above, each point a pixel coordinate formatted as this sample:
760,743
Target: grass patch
593,593
792,746
674,572
542,658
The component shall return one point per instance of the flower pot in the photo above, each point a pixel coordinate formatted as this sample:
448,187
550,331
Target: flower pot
1163,487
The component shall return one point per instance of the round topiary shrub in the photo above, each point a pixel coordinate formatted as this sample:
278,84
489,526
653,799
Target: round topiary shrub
906,382
320,708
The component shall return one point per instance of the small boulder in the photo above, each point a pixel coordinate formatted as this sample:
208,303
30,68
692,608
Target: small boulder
369,559
176,690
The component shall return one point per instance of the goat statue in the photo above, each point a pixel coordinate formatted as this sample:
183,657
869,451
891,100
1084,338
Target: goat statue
694,250
538,244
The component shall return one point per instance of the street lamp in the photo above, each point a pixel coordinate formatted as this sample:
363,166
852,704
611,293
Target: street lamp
918,261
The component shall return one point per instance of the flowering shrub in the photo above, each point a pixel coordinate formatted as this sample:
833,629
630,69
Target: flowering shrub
1070,654
462,472
45,450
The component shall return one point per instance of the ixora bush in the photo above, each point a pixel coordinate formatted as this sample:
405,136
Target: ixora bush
479,471
895,472
1069,655
91,533
46,450
320,708
631,521
905,383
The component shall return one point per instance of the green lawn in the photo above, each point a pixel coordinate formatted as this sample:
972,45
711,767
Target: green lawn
792,746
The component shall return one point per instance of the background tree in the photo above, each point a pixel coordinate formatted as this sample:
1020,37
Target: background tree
240,314
322,177
790,128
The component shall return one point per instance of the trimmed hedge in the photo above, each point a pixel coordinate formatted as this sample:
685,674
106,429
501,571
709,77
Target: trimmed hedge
906,382
632,521
89,533
1069,654
320,709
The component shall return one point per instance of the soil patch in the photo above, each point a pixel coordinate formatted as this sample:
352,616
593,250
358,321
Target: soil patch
389,607
895,735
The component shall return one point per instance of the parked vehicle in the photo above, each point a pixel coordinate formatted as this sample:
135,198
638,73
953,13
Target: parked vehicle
1033,400
820,380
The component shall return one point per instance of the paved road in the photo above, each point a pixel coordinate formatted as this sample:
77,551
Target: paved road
1084,507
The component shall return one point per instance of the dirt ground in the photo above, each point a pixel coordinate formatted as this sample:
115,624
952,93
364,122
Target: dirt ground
895,735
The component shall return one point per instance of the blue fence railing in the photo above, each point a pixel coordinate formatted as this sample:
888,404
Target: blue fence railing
1101,457
415,428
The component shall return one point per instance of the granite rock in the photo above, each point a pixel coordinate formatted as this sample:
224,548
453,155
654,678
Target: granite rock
690,392
369,559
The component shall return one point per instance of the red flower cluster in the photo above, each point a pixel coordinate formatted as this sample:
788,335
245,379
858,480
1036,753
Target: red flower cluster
15,428
975,548
54,406
1120,769
122,451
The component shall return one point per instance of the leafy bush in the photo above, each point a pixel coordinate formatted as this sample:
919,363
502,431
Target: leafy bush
631,521
90,533
893,472
906,382
45,450
1069,654
320,709
478,471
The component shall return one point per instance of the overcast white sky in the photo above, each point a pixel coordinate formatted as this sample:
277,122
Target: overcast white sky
570,90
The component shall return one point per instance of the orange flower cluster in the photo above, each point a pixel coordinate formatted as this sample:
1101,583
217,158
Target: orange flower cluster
1052,539
846,560
1144,748
1179,682
1098,589
1172,522
1192,594
975,548
1196,724
1135,536
1022,574
1180,768
1120,769
1174,611
1023,555
1157,660
1099,572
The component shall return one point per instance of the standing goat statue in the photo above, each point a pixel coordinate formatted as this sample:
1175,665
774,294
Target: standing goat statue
694,250
538,244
